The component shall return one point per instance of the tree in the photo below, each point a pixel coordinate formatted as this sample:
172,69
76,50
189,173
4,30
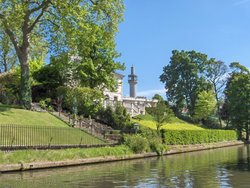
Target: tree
205,105
161,114
215,72
7,56
183,79
117,118
158,97
237,94
59,22
79,100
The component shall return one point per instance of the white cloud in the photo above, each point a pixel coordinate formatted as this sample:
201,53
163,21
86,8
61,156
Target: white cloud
240,2
151,93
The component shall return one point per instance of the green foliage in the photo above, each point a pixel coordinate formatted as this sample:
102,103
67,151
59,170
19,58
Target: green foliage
84,28
205,105
9,87
158,97
183,79
157,146
152,141
174,123
8,58
136,143
173,137
215,73
237,101
117,118
85,101
161,114
28,156
45,104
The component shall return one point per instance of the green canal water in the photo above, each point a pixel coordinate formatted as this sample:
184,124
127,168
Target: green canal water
226,167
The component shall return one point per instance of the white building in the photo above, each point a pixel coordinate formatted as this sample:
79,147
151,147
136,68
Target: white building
134,105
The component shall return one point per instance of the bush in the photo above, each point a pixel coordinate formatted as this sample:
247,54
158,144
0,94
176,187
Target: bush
9,88
136,143
147,132
156,145
212,123
80,100
45,104
117,118
173,137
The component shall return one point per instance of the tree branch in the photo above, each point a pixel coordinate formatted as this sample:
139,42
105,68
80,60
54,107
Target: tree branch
44,7
13,39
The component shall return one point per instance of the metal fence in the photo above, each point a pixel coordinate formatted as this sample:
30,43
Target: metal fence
42,137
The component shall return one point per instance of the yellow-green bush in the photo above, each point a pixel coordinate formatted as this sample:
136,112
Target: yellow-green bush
173,137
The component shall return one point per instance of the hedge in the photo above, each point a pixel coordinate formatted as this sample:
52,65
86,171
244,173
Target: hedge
173,137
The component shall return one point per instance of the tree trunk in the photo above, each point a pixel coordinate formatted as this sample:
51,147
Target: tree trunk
247,133
5,64
217,105
25,85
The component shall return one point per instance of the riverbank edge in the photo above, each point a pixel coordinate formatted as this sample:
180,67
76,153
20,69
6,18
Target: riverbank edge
175,149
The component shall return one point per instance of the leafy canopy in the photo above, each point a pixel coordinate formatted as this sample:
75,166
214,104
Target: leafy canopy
183,78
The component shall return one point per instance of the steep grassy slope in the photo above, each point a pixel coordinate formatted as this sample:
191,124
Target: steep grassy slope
17,116
23,127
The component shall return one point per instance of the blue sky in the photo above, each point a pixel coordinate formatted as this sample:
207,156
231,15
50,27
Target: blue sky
153,28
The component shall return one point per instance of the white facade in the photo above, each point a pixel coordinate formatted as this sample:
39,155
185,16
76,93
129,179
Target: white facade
117,95
134,105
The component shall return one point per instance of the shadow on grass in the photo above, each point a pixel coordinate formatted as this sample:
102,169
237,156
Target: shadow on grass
3,109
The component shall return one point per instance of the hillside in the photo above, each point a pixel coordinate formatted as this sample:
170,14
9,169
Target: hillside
174,123
9,115
24,127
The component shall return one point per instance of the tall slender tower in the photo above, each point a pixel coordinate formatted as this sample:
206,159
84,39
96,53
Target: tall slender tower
132,80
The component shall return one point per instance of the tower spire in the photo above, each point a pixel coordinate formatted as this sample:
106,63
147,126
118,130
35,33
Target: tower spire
132,80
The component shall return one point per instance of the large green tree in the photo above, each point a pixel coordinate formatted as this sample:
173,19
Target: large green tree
215,73
183,79
238,98
62,23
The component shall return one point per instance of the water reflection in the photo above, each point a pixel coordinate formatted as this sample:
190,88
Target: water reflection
227,167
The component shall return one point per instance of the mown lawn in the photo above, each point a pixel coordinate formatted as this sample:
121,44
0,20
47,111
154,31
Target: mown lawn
21,127
10,115
173,124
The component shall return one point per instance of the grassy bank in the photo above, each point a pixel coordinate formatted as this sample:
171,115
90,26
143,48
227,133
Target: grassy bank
9,115
27,160
178,132
173,124
24,127
28,156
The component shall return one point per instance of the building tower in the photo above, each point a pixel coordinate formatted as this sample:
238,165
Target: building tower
132,80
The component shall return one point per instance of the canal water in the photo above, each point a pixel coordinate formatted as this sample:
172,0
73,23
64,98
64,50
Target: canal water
225,167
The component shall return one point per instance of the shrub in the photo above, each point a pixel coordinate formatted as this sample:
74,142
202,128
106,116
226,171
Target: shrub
9,87
117,118
42,104
147,132
82,100
156,145
173,137
136,143
45,104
